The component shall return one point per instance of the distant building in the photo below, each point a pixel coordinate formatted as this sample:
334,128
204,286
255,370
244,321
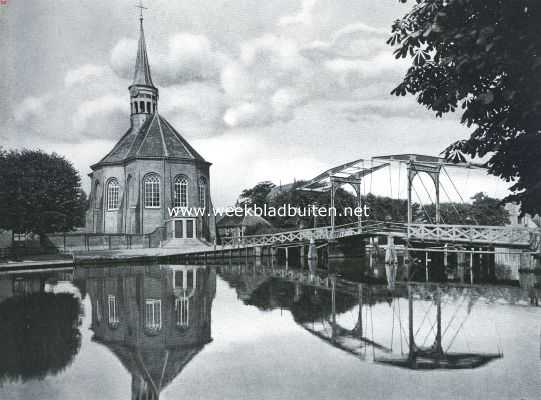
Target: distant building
239,226
508,265
150,169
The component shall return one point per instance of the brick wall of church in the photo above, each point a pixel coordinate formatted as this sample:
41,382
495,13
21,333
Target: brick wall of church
132,216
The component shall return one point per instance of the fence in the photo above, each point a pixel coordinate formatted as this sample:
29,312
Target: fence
71,241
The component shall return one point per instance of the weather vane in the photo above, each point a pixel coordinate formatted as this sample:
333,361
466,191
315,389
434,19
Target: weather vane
141,8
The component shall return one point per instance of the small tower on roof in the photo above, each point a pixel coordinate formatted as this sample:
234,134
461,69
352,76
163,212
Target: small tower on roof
143,93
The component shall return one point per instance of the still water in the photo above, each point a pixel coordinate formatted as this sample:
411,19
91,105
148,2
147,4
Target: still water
249,331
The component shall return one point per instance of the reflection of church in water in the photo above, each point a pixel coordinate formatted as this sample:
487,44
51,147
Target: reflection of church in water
155,320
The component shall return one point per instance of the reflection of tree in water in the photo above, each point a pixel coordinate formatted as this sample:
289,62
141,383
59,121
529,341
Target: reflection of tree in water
39,335
306,303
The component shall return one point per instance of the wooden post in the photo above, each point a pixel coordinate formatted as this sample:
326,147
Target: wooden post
410,323
426,265
471,266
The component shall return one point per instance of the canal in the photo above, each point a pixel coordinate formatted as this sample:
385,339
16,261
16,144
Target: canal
243,329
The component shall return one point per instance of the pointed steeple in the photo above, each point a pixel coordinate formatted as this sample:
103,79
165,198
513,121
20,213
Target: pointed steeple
143,93
142,75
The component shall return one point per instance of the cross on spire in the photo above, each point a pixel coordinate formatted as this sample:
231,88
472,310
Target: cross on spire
141,8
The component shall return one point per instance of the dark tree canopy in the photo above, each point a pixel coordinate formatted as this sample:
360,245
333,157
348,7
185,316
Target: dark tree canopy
482,57
256,195
39,192
39,335
483,210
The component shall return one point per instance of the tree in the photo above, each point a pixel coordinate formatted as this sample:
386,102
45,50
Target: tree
256,195
483,57
39,335
39,193
484,210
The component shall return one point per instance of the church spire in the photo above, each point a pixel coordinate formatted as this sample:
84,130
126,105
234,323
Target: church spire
143,93
142,67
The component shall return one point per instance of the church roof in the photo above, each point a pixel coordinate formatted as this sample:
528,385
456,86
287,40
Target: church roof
141,75
156,138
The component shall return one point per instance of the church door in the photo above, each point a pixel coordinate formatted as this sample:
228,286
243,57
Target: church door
179,231
189,228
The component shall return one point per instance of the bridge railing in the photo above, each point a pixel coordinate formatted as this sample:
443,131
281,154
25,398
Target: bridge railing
504,235
320,233
496,235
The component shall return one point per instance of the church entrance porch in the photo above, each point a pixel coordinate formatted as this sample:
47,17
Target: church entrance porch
182,228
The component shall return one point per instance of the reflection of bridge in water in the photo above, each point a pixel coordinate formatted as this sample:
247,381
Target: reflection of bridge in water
319,302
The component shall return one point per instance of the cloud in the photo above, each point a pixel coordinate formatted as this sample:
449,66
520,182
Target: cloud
304,16
83,74
196,108
187,57
103,114
30,108
123,56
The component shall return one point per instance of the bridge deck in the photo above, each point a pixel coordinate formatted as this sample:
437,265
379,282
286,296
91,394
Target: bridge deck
505,236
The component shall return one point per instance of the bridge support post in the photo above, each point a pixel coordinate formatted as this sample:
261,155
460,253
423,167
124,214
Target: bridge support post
427,260
471,266
461,262
312,250
333,213
286,250
301,254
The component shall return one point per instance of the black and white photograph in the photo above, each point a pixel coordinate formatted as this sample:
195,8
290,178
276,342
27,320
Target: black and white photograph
270,200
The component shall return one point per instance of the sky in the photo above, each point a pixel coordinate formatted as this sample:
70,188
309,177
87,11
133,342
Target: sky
274,90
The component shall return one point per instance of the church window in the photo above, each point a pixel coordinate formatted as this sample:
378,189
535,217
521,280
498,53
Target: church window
181,192
182,309
154,107
153,314
98,311
113,195
113,310
142,106
202,192
152,191
148,107
136,108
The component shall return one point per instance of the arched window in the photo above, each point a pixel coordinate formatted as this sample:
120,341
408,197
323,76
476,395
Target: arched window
152,191
153,314
181,192
98,311
136,107
202,192
113,195
142,106
182,310
112,310
148,107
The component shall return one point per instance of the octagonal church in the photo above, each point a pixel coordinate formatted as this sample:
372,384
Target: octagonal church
151,169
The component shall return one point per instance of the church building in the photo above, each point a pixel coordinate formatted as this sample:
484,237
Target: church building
152,168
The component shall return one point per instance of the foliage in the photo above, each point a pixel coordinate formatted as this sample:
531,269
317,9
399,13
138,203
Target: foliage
483,210
39,335
39,193
256,195
483,57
